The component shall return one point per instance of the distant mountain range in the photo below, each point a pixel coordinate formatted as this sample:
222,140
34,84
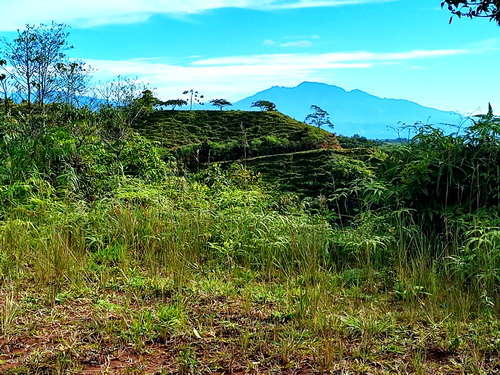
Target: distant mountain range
351,112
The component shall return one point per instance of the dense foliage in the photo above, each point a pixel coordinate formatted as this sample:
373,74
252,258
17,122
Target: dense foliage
86,202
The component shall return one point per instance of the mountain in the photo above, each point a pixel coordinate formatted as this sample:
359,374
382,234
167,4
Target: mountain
351,112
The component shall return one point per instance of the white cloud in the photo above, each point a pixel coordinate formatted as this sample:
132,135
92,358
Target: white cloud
336,57
238,76
300,43
87,13
268,42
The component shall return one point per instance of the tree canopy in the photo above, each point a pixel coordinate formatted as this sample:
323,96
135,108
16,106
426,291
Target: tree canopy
220,103
474,8
264,105
175,103
318,118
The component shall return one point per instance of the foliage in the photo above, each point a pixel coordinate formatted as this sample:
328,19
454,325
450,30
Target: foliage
175,103
108,235
193,97
357,141
318,118
177,129
264,105
74,80
220,103
437,172
474,8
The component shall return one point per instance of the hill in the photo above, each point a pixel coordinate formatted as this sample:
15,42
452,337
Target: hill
352,112
229,135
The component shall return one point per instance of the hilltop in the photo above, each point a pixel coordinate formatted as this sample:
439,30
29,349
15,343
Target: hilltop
230,135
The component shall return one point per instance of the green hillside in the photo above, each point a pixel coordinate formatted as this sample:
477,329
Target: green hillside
260,132
314,172
290,154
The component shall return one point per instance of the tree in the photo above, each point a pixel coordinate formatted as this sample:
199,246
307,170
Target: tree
175,103
147,102
193,97
5,86
318,118
264,105
220,103
73,81
124,100
32,59
474,8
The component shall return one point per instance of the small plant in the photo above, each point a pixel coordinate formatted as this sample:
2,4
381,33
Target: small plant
8,313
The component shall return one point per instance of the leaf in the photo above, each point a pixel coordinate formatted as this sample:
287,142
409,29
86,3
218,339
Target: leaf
196,333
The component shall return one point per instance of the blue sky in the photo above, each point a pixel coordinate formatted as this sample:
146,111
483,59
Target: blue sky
234,48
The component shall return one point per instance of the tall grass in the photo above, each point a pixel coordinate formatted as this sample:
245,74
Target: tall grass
178,229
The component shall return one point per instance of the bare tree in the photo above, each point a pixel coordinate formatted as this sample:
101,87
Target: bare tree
73,81
32,59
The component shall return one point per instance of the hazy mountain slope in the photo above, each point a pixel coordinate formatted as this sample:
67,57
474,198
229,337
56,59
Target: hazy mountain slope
352,112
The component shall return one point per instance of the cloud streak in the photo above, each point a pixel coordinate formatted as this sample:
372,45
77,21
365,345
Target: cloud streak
224,76
88,13
300,44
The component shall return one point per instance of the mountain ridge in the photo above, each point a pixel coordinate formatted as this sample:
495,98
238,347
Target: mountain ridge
351,112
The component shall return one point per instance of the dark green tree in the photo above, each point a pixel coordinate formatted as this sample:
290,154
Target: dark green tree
474,8
220,103
4,87
318,118
264,105
175,103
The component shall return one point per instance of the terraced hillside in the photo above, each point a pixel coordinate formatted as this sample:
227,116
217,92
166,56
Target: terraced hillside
231,134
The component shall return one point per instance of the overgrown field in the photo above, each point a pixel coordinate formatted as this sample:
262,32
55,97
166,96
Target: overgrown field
116,259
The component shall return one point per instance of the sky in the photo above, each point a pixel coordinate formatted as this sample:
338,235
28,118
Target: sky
232,49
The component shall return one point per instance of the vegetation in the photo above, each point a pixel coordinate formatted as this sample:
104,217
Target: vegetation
175,103
220,103
200,137
193,97
121,253
474,8
319,117
264,105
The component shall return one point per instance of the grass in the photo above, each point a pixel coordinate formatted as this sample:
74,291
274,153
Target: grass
221,323
188,278
111,261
